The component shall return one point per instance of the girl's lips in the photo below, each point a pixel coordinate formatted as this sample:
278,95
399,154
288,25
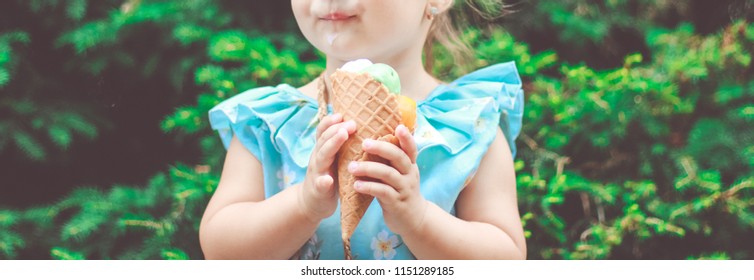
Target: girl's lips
337,16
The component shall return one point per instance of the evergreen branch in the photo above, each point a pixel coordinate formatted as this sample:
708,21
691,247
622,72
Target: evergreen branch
60,253
8,218
60,136
30,146
560,161
174,254
158,227
4,77
747,183
84,224
712,199
10,243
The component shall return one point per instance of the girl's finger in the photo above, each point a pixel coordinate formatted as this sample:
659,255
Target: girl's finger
392,153
326,153
407,142
377,171
326,122
324,184
383,192
350,127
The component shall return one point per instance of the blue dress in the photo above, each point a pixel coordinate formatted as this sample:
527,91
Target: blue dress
455,125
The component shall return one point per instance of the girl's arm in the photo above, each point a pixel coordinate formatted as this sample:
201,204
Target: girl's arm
488,225
239,223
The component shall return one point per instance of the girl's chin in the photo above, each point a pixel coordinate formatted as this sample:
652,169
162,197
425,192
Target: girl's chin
347,52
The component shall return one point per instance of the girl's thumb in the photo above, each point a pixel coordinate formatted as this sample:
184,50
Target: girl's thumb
324,184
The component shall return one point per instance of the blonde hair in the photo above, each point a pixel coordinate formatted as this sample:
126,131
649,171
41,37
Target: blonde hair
446,30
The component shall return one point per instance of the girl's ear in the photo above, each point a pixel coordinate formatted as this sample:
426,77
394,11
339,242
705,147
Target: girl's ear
440,5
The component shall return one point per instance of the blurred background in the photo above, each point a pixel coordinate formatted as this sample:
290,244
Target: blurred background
637,140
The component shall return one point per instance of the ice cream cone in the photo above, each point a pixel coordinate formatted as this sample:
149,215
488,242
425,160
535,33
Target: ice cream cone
359,97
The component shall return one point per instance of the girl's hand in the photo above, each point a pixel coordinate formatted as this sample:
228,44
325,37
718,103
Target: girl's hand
396,186
317,195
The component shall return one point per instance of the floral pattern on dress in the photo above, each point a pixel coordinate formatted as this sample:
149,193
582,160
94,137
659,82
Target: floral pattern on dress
285,177
311,249
384,245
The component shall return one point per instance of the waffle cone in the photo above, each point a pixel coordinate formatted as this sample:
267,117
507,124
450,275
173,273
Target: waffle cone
361,98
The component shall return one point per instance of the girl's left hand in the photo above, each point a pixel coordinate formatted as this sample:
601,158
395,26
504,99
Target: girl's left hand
396,186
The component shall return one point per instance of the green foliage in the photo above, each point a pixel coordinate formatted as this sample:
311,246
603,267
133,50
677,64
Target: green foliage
712,256
257,62
35,120
10,241
622,127
6,53
124,222
59,253
648,156
159,220
582,21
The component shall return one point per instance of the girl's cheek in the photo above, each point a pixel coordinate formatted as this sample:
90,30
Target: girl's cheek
301,9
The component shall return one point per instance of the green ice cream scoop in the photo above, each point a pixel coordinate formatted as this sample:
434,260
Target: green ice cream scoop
385,75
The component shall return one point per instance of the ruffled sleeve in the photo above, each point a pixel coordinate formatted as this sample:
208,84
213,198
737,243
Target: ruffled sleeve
275,124
457,123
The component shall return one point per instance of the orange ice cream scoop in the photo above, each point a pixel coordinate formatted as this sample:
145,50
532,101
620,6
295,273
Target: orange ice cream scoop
407,109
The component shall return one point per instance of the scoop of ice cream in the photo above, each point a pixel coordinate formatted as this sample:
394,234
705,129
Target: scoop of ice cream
379,71
386,75
356,66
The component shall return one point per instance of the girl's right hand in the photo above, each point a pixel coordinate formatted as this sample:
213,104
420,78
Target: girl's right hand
317,195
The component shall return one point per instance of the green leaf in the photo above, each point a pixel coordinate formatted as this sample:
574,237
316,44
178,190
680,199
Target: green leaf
60,253
710,180
81,196
4,77
189,33
750,32
10,243
633,59
5,54
83,225
94,214
33,149
727,93
60,136
76,9
712,256
14,37
208,73
42,215
746,112
519,165
79,124
8,218
89,36
230,46
174,254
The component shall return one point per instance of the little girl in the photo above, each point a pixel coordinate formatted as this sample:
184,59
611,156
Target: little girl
448,191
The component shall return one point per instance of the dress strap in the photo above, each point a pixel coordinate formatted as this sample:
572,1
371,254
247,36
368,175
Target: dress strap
322,97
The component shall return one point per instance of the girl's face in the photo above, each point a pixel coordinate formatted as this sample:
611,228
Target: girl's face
350,29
